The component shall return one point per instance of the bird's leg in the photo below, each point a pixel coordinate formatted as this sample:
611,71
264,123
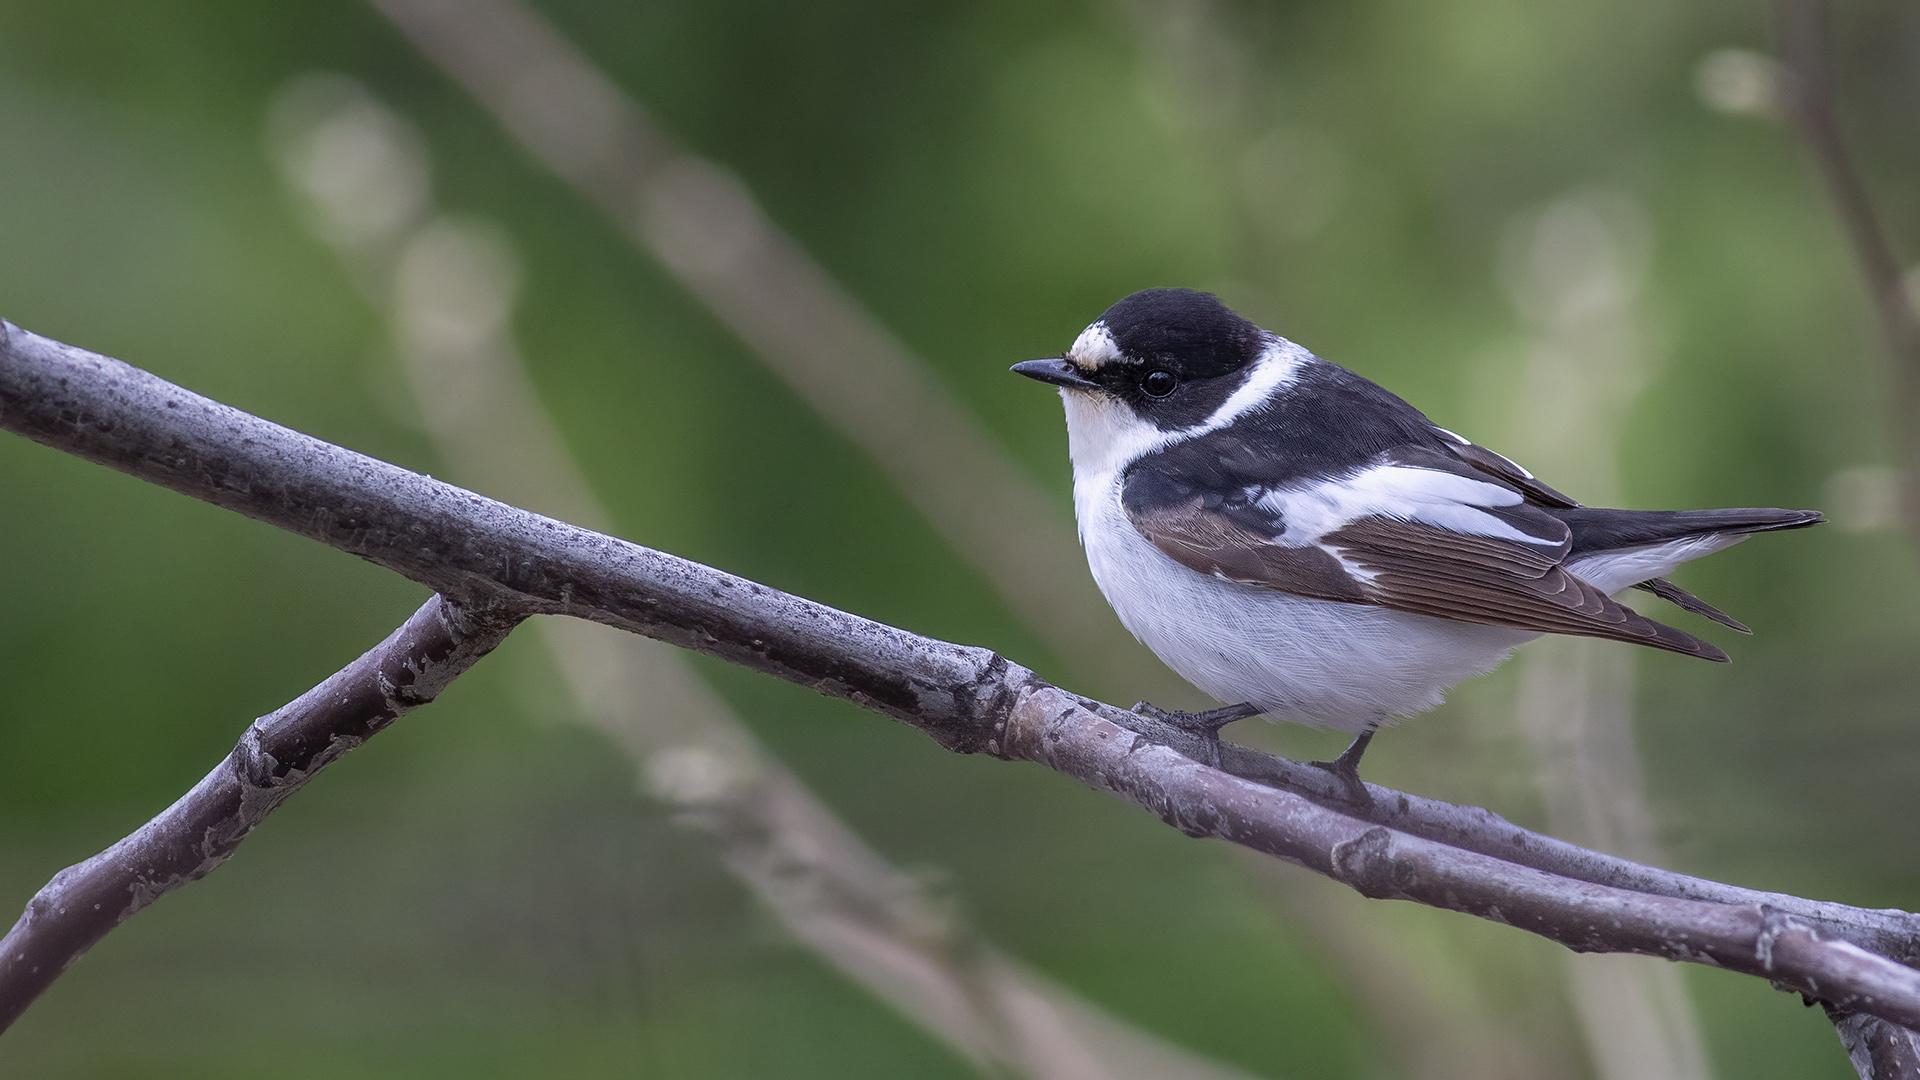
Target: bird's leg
1347,766
1207,724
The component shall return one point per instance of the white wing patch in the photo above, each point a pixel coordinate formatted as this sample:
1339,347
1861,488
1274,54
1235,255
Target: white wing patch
1443,500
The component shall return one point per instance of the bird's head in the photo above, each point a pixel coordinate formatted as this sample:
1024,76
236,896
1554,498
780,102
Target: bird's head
1169,357
1158,367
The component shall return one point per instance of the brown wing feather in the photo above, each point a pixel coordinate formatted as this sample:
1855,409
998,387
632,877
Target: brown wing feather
1211,544
1540,494
1415,568
1481,579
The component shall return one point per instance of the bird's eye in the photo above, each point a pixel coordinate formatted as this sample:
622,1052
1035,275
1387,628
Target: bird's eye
1158,383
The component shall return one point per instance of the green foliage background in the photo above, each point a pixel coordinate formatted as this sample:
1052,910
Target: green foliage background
481,892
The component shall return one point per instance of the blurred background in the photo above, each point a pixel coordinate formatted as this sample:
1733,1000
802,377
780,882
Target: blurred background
741,281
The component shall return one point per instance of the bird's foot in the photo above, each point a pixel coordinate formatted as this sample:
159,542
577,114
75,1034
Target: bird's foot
1206,724
1346,768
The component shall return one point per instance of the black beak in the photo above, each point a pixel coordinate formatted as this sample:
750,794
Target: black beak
1057,371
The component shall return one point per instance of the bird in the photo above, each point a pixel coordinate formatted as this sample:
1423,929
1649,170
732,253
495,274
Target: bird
1298,542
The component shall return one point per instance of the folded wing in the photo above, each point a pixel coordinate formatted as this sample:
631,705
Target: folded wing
1414,530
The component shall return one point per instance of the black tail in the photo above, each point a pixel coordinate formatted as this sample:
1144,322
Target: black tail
1607,530
1597,530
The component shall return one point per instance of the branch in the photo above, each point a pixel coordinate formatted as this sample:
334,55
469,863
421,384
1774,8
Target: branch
276,757
968,699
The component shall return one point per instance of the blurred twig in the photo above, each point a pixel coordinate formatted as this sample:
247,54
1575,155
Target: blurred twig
490,556
1573,271
447,291
1808,99
705,227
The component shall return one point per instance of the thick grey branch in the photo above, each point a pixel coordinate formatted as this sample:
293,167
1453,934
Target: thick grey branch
969,699
276,756
474,549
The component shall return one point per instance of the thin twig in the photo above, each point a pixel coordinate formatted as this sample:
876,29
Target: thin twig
967,699
1807,93
276,757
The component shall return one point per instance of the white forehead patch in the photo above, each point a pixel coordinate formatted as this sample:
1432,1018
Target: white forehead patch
1095,346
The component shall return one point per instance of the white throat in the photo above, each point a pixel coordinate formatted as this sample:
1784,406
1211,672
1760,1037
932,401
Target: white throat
1105,435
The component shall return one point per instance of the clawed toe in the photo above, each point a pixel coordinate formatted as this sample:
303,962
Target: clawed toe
1206,723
